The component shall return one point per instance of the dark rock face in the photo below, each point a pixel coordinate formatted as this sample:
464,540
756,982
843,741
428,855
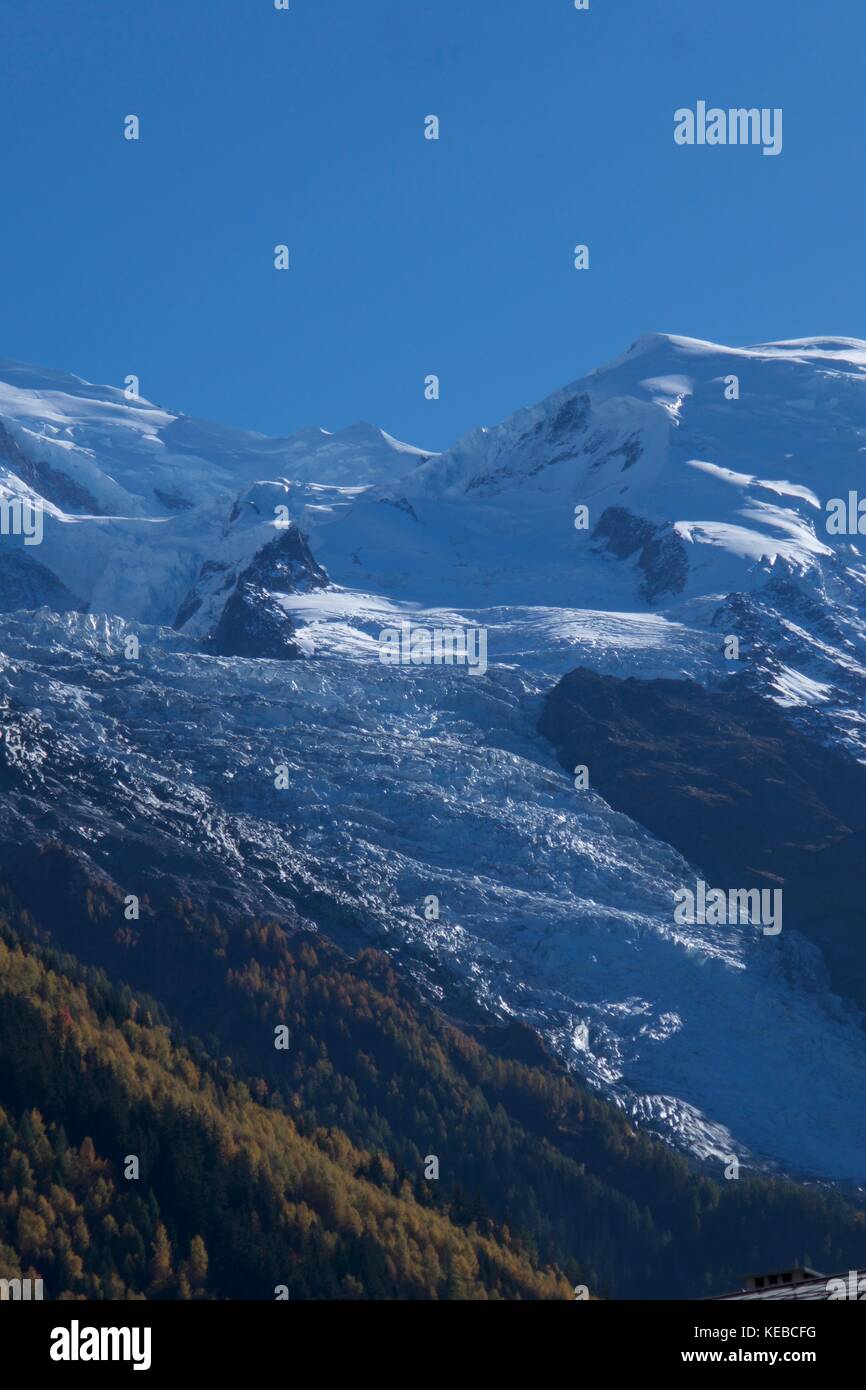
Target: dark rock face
401,503
604,447
189,607
49,482
784,625
253,622
726,779
660,553
572,417
27,584
173,501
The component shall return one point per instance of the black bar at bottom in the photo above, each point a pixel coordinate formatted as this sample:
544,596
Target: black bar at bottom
167,1339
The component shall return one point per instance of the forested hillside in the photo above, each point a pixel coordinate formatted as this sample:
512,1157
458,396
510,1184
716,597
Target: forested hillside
305,1167
232,1201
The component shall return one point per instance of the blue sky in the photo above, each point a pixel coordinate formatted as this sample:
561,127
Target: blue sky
410,256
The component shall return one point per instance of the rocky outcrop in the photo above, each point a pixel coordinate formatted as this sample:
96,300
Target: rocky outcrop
48,482
253,623
660,553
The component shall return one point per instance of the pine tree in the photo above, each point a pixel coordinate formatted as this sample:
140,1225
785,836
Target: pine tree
160,1265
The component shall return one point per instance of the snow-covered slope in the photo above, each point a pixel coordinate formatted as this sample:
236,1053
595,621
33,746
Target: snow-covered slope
137,499
741,483
706,518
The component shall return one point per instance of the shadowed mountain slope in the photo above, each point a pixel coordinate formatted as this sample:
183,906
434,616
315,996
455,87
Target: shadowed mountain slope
726,778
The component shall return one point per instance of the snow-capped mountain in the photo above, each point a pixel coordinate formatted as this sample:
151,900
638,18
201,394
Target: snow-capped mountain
704,505
136,499
258,576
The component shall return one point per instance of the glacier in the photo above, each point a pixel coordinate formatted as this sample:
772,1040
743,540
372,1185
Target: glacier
412,783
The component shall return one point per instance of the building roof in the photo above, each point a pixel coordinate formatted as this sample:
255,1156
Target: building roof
815,1288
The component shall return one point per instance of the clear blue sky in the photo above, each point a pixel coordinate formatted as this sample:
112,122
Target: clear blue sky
409,256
